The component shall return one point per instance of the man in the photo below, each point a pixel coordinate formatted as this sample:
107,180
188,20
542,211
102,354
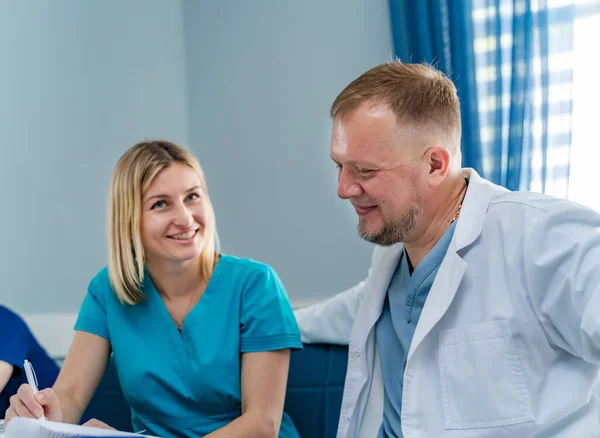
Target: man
480,315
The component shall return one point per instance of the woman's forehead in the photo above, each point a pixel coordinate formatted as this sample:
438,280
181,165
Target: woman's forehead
176,177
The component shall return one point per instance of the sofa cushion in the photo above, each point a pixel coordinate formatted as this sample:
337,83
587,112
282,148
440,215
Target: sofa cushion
313,398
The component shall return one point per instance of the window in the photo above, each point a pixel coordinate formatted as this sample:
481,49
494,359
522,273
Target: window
584,187
538,103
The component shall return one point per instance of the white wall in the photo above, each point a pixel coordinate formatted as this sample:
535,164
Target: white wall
261,77
80,82
246,84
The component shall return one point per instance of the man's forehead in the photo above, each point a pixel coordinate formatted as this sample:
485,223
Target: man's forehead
363,154
377,110
377,149
359,133
367,111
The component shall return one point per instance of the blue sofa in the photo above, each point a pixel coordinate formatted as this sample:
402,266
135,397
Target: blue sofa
313,399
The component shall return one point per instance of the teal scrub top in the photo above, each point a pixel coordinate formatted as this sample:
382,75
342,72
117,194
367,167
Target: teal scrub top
396,326
188,383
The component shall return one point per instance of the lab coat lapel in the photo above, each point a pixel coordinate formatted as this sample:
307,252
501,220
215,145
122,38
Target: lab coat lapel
452,269
375,291
440,296
384,266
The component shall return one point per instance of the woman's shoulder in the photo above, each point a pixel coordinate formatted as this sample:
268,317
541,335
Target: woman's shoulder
101,279
100,286
5,312
246,267
250,276
10,318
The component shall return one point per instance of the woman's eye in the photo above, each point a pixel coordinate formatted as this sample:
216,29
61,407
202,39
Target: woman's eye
193,196
158,204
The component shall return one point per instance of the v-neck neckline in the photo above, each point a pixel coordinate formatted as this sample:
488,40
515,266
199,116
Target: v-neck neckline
200,308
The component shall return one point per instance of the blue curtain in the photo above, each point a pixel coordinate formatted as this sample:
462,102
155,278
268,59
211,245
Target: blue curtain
499,53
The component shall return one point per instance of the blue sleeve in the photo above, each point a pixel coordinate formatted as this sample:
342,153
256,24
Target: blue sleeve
92,315
14,338
267,320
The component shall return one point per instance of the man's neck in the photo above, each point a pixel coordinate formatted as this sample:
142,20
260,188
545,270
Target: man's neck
440,218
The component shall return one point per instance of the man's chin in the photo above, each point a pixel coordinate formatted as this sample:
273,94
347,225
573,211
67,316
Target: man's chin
387,236
377,238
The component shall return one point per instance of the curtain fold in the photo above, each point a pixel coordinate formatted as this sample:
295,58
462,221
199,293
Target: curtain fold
509,60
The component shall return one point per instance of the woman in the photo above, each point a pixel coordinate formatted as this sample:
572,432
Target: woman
200,340
18,344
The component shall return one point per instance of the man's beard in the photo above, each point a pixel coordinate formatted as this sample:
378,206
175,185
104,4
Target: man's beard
393,232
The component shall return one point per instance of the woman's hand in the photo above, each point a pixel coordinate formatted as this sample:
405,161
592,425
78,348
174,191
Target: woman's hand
97,423
25,404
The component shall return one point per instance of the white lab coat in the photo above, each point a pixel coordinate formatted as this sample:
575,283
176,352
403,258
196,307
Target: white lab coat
508,343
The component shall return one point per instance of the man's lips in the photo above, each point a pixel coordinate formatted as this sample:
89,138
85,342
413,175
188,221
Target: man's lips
365,209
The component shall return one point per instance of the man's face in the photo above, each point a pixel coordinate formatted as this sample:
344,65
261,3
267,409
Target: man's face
378,172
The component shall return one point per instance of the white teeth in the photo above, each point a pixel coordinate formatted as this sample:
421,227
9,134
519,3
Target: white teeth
184,236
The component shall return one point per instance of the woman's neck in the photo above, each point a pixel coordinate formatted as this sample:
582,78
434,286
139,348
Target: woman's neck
176,281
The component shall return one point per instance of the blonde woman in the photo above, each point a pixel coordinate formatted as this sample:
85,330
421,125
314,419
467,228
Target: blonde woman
200,340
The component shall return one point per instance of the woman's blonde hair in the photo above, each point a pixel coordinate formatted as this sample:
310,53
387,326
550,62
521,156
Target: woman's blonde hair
132,176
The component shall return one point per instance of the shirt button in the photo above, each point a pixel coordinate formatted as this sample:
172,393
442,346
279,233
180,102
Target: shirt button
357,354
349,418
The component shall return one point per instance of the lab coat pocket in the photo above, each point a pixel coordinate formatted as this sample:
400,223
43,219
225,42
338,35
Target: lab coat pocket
483,384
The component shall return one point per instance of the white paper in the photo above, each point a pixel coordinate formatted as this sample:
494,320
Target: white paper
32,428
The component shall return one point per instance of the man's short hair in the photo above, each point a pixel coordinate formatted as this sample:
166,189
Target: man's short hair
418,94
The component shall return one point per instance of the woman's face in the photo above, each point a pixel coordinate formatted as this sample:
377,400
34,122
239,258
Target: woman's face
174,215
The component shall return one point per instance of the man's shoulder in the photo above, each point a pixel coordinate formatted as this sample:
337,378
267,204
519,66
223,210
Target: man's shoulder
534,216
499,200
531,203
506,199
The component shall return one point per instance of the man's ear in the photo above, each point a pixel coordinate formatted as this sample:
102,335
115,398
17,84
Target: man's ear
437,160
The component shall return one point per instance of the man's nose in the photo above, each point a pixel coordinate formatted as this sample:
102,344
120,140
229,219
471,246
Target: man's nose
347,186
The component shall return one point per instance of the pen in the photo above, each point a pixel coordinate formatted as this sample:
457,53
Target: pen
31,380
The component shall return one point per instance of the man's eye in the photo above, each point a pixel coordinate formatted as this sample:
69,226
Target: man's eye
158,204
365,171
338,166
